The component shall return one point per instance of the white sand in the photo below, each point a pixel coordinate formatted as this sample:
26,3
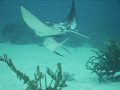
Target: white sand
27,57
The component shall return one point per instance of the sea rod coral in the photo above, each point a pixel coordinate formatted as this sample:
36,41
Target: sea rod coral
57,77
107,61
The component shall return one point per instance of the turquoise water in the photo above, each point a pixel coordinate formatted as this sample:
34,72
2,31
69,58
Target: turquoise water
96,19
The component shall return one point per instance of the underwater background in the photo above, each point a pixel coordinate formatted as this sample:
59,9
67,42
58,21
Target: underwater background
97,19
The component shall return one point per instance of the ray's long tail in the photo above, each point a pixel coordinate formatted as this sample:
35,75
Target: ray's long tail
92,39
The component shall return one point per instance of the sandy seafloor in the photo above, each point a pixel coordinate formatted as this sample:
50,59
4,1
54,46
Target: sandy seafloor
27,57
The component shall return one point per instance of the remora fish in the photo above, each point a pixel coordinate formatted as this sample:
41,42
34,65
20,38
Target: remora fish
51,44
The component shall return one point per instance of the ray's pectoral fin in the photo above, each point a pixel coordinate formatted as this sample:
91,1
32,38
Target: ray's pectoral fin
33,22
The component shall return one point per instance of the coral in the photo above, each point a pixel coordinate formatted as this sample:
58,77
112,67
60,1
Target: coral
107,61
58,78
19,33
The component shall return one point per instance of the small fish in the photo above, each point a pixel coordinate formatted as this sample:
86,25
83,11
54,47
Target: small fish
51,44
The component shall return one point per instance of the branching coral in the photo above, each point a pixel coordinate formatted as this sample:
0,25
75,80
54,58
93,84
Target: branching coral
107,61
36,84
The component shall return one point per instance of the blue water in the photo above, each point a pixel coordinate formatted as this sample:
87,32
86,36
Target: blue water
96,19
